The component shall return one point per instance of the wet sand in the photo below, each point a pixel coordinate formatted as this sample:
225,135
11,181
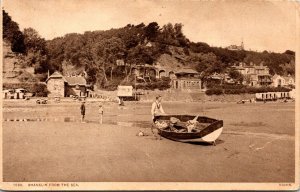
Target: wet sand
257,144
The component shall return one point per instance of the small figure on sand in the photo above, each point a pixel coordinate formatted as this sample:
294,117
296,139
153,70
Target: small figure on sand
120,101
157,108
82,110
100,111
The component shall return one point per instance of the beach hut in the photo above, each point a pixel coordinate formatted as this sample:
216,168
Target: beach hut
5,94
19,93
8,94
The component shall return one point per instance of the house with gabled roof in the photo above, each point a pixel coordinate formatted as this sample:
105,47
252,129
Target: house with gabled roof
255,75
289,80
56,85
186,78
281,81
61,86
278,81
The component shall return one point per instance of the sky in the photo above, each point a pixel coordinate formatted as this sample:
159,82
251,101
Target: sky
261,25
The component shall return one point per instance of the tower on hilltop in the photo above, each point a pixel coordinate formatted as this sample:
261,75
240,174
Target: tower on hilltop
242,45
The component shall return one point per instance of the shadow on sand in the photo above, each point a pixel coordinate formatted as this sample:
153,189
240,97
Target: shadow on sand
203,143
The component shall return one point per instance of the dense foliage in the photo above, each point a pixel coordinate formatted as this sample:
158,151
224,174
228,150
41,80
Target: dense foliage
12,33
97,52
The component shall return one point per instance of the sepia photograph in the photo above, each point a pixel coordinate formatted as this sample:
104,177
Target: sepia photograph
150,95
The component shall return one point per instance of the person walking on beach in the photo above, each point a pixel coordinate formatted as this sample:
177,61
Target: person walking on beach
100,111
157,108
82,110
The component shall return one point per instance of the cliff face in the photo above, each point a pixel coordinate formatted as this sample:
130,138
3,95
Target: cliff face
12,68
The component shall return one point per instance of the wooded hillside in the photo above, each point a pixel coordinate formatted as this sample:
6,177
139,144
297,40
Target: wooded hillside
96,52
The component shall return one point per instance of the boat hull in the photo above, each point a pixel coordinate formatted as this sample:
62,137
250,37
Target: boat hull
210,138
209,134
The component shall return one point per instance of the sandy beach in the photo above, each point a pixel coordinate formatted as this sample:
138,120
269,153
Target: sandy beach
48,143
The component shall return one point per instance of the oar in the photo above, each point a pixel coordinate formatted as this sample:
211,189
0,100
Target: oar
195,119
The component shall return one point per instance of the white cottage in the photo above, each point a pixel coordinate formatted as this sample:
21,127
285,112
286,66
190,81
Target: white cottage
278,81
289,80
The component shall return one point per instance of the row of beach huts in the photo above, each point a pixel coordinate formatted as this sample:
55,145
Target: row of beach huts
273,96
14,94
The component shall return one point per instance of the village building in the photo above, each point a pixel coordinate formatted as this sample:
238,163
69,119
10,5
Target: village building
76,85
236,47
144,72
273,96
186,78
289,80
215,78
181,78
278,81
61,86
8,94
245,69
56,85
254,75
282,81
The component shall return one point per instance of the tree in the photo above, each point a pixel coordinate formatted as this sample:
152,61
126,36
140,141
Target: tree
151,31
200,47
237,76
33,41
289,52
12,34
36,51
97,52
17,43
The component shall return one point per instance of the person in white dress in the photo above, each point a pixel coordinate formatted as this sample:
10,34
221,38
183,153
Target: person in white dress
157,108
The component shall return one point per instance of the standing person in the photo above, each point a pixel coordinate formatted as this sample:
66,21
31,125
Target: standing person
121,102
100,111
157,108
82,110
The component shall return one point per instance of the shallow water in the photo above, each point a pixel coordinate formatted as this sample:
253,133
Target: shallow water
141,124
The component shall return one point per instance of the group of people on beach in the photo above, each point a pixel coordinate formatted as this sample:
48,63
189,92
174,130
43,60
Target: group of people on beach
156,109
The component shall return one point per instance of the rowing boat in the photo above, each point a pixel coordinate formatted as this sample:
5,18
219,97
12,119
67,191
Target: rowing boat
210,130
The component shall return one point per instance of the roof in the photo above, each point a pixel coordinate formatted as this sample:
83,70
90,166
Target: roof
250,66
7,90
189,79
276,76
76,80
186,71
239,67
56,75
261,67
287,78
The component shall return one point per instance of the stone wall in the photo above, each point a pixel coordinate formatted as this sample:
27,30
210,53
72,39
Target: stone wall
56,87
192,96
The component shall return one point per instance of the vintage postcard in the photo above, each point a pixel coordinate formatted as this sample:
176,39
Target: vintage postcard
149,95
